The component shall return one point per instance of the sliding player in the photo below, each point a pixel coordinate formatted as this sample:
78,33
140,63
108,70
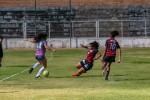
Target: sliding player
110,53
87,64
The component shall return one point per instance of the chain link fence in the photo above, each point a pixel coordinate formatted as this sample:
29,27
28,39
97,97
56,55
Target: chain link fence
57,29
127,28
74,18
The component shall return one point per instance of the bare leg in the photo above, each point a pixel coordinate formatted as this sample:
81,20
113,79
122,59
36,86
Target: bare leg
81,70
78,65
44,64
104,68
107,71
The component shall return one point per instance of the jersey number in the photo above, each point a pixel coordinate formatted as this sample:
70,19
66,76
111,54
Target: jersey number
112,46
39,46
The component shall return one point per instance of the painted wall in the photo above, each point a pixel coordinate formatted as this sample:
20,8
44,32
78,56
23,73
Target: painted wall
75,42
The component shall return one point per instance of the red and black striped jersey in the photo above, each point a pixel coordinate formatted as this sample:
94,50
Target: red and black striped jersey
111,46
91,54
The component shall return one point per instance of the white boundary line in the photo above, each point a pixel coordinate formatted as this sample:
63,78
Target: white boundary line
51,55
51,58
13,75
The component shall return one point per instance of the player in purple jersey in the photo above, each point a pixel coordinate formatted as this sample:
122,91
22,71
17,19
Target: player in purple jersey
92,55
40,39
110,53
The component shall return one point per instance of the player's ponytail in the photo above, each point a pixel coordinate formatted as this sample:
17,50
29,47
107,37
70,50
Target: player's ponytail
95,44
40,36
114,33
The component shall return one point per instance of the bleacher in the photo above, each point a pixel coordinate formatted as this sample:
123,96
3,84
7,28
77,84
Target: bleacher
15,14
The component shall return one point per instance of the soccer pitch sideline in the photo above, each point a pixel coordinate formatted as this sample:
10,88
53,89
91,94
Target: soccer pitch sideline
129,80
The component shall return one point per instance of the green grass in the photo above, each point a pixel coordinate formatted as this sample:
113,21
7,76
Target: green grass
129,80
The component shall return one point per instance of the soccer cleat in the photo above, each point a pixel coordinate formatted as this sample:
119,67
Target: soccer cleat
74,75
30,70
38,77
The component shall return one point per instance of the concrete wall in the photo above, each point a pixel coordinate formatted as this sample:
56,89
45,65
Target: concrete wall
75,42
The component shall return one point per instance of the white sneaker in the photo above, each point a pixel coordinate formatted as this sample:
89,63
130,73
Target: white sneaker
38,77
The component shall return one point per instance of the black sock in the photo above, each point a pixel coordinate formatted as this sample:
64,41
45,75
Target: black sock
107,74
77,74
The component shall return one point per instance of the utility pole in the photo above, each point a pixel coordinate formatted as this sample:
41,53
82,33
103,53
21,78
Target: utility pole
35,17
70,22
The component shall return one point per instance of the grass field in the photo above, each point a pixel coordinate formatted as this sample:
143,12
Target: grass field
129,80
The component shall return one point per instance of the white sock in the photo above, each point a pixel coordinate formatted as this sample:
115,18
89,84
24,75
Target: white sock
40,72
36,65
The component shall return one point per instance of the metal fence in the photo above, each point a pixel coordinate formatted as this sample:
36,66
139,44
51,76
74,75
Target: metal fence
62,29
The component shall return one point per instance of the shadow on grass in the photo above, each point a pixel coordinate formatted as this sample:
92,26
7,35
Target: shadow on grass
5,92
60,77
19,66
122,78
118,75
76,76
92,76
142,79
140,62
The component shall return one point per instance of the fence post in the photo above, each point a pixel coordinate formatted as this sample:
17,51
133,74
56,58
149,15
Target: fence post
121,28
24,29
145,28
49,29
97,29
73,35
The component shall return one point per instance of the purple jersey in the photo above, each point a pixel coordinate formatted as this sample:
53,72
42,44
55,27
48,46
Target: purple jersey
41,48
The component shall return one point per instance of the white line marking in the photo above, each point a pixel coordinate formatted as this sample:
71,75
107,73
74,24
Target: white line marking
13,75
51,55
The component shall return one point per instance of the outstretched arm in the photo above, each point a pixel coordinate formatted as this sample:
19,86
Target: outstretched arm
49,48
31,40
84,46
98,55
119,55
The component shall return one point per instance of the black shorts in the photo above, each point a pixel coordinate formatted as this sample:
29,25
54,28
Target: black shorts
86,65
109,59
40,57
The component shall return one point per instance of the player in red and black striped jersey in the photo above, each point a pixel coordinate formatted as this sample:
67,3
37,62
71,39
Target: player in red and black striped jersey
110,53
92,55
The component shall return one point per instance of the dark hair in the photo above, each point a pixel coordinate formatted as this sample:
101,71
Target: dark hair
114,33
95,44
40,36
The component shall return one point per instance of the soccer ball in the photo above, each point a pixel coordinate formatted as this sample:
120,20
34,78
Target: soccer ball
45,73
